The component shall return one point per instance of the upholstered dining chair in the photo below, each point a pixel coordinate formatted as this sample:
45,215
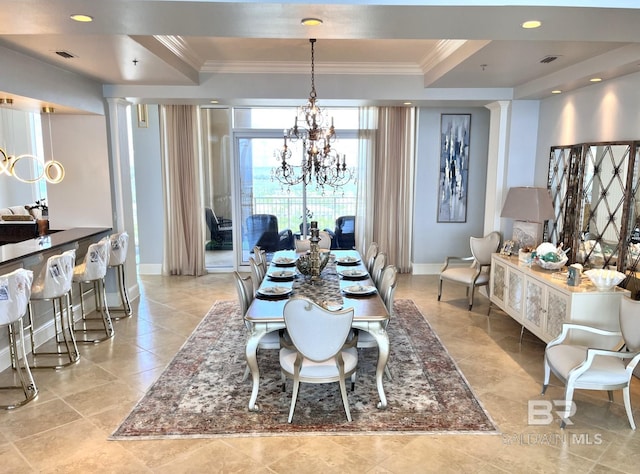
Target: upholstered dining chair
378,265
318,354
244,287
370,256
388,283
303,245
257,274
477,273
581,366
260,256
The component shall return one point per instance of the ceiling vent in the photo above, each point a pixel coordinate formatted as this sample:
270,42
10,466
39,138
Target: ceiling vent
548,59
65,54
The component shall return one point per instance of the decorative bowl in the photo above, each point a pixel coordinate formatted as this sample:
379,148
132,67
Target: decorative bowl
604,280
303,263
551,265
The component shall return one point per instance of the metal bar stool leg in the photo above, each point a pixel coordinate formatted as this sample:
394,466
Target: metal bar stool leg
125,308
101,307
19,354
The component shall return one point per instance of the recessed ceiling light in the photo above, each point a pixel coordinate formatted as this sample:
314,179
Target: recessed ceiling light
81,18
213,101
556,91
407,103
311,21
595,79
529,24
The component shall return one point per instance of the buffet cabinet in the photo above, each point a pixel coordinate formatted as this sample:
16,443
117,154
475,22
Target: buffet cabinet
541,301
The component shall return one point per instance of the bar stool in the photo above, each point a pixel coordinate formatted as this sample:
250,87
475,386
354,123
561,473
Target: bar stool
117,258
92,271
54,284
15,290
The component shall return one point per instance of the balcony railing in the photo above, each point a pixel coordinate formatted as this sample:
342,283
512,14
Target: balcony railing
288,210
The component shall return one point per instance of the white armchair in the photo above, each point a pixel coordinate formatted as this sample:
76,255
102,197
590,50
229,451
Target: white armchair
582,367
477,273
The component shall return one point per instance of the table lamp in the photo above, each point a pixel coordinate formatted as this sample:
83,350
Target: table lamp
529,207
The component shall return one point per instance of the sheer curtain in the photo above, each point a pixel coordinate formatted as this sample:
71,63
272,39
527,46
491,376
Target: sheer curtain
183,206
391,209
368,121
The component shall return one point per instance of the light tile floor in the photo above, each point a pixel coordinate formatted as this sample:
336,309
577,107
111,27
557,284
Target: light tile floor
66,428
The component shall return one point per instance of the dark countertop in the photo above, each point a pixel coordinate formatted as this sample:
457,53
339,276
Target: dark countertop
12,252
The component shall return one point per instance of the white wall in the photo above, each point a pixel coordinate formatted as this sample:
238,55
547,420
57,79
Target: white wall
607,111
82,199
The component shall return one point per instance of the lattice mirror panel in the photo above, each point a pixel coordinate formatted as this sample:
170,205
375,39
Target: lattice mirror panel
594,188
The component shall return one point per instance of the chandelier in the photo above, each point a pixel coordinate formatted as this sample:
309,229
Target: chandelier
320,162
29,168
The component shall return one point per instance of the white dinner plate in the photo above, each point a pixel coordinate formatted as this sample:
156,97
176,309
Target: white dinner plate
282,275
353,273
275,291
360,290
348,260
284,261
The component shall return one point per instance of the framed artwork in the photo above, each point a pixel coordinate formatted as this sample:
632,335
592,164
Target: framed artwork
455,130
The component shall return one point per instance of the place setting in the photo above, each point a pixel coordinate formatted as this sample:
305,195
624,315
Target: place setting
353,274
274,292
348,260
281,275
284,262
360,290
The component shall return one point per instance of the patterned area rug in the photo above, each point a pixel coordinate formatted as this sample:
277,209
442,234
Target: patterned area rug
201,392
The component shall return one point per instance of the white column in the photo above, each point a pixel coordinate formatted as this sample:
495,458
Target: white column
497,164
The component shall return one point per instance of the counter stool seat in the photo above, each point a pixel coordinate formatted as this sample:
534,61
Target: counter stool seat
15,290
117,259
92,272
54,284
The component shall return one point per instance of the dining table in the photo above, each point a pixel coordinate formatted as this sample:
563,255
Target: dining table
344,283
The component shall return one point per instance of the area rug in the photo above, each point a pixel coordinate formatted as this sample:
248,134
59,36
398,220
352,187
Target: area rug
201,393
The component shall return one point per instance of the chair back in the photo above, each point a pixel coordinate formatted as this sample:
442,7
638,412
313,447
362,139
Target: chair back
260,256
256,274
15,291
317,333
262,231
56,277
118,252
388,283
378,265
370,256
96,261
630,323
303,245
244,286
345,232
483,247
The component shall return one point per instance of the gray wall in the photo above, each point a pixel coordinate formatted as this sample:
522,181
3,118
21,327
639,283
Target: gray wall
433,241
149,195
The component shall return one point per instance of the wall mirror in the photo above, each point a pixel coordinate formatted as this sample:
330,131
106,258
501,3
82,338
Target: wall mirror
594,190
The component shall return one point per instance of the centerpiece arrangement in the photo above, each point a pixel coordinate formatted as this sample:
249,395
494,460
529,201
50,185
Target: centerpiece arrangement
312,263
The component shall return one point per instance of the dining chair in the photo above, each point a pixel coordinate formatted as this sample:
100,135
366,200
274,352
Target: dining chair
244,287
318,355
257,274
475,274
378,265
15,291
370,256
582,366
260,256
304,245
388,283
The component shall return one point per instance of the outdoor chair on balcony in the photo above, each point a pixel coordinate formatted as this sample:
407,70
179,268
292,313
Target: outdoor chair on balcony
262,230
220,230
343,237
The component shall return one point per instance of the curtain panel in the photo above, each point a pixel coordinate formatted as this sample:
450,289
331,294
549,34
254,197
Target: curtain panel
393,187
183,206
